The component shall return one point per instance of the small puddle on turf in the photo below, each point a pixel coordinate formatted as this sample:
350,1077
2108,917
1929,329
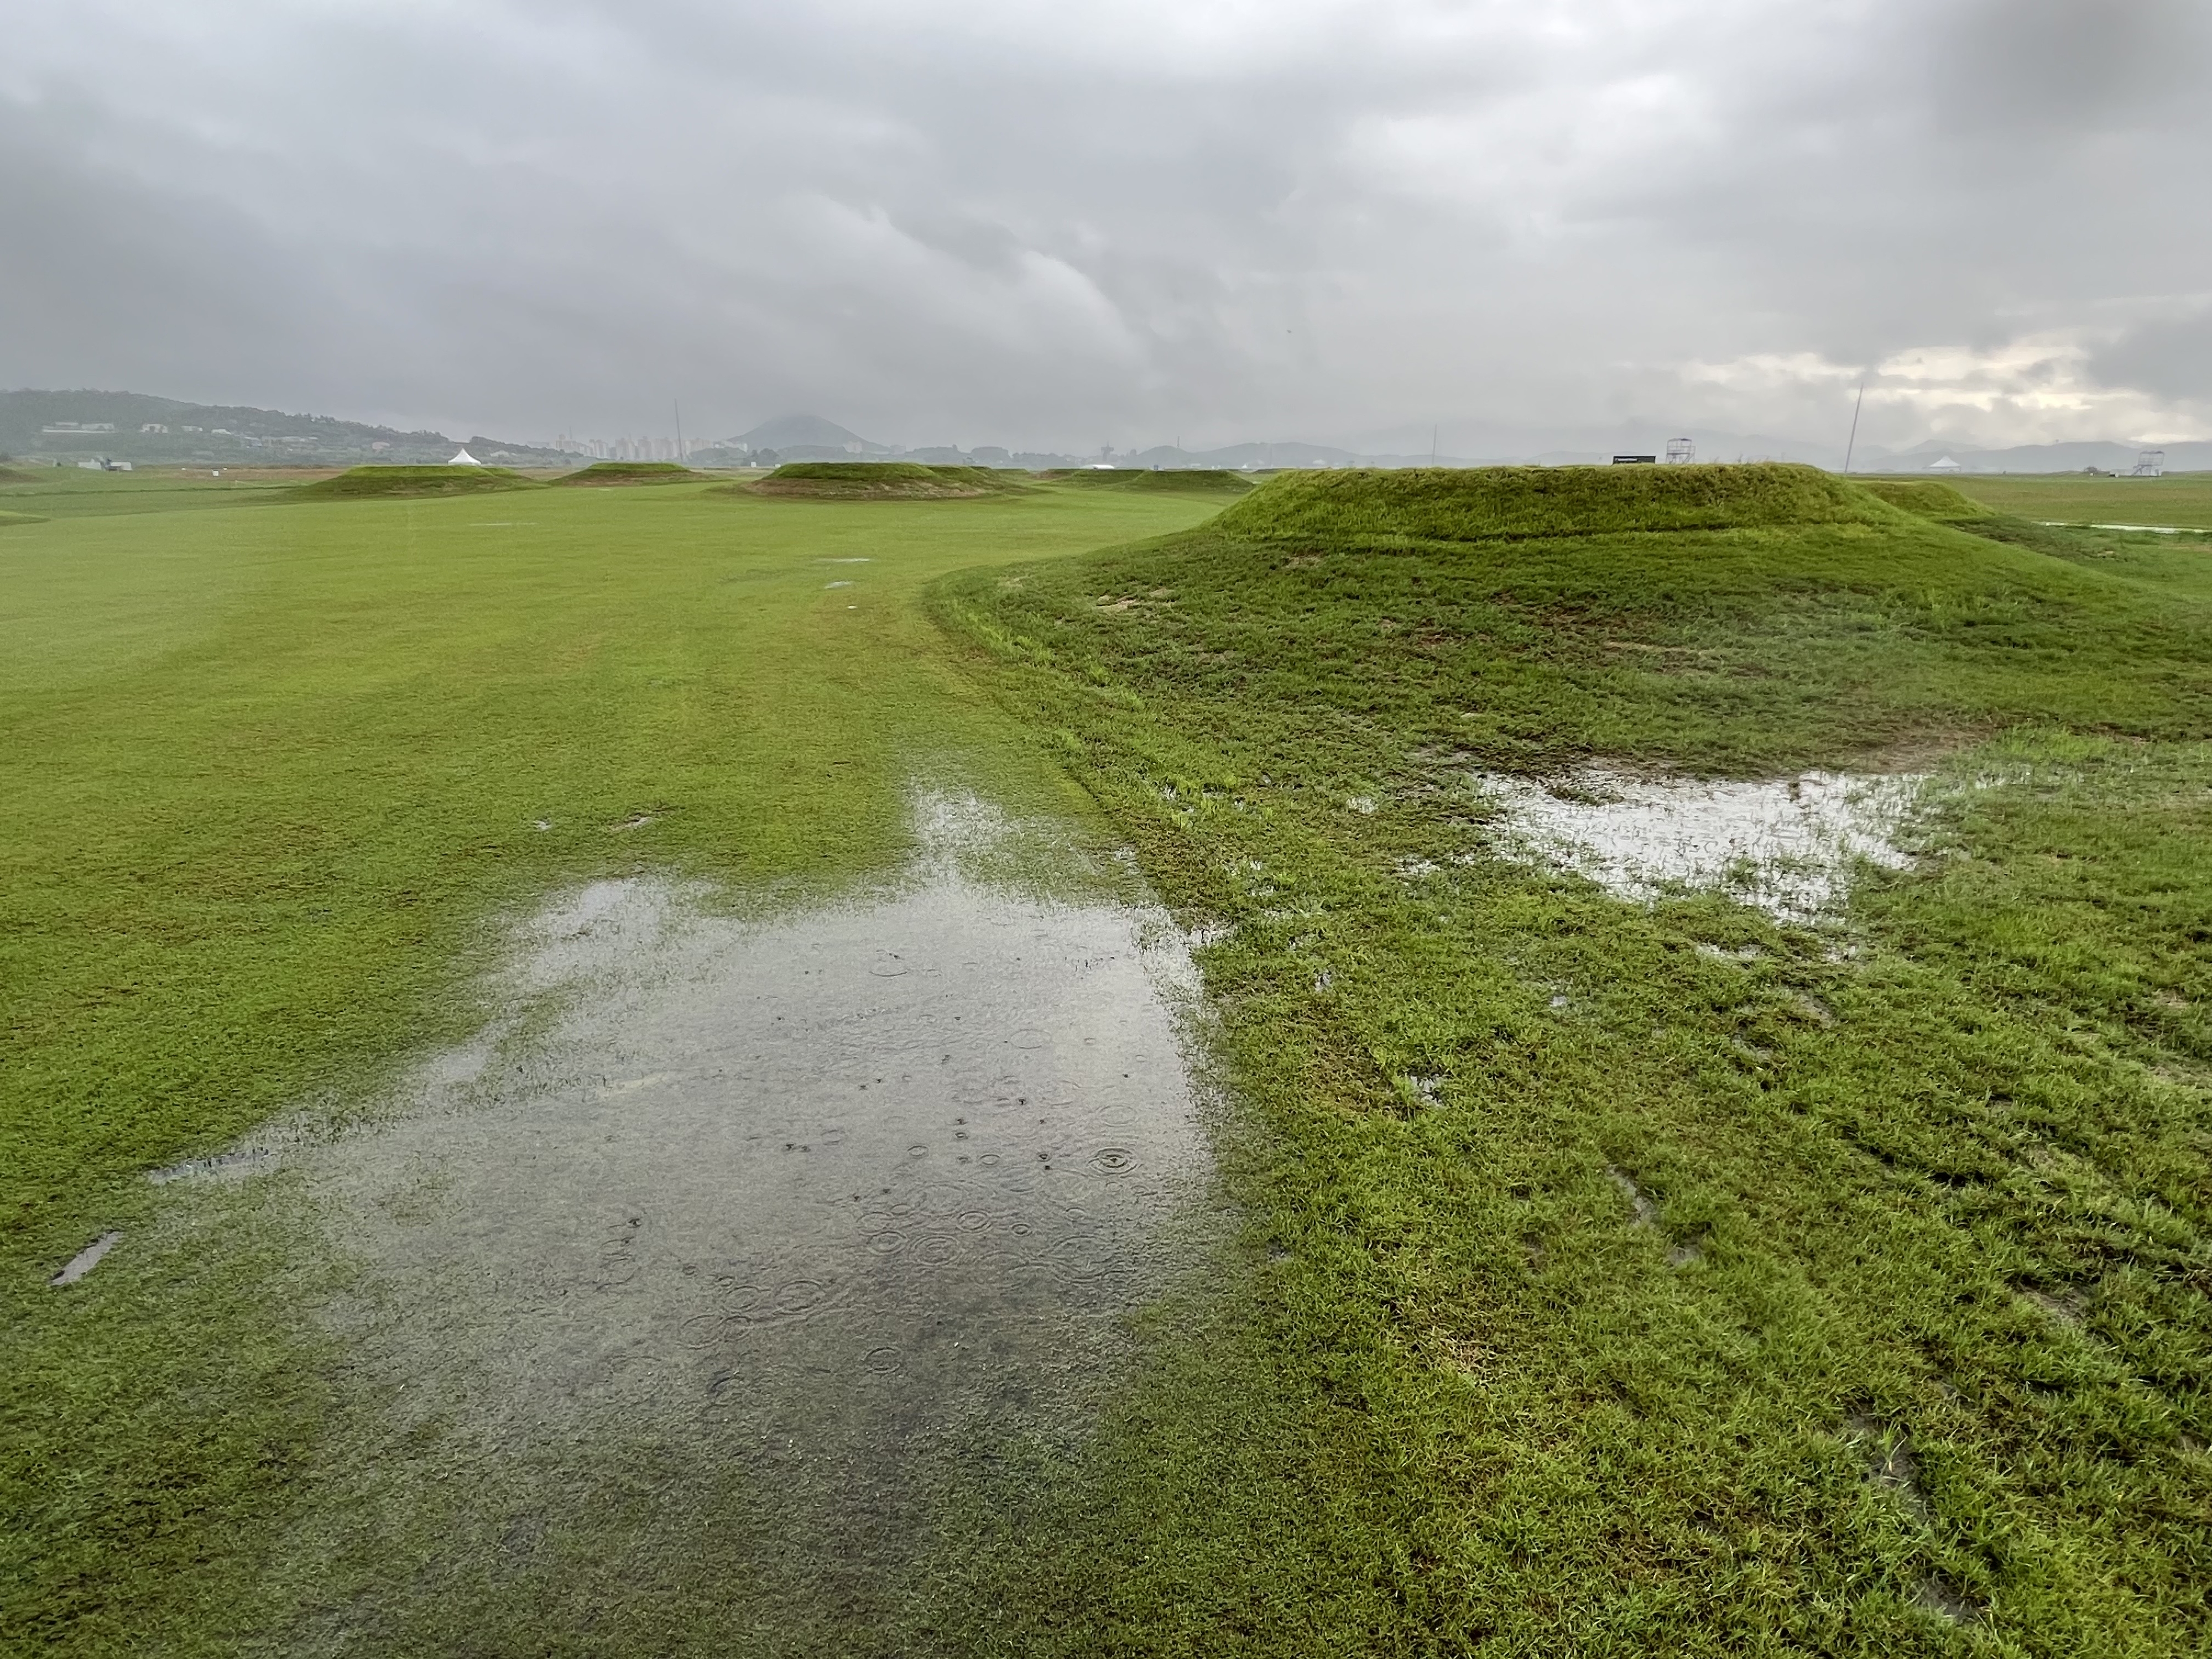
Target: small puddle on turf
712,1276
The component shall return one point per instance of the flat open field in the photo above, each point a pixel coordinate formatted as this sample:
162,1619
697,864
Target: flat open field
2072,498
1512,1063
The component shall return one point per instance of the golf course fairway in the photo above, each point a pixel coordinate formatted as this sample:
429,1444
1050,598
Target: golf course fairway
1531,1061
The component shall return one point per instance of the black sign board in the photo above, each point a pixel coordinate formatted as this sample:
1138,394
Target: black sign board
1636,460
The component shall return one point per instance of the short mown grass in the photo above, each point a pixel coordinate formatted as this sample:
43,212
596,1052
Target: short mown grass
272,778
1628,1279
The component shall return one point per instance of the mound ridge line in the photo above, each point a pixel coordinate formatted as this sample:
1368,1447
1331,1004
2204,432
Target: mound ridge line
883,481
1356,506
372,483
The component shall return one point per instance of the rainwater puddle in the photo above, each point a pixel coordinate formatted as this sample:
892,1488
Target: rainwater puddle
1786,846
811,1207
85,1260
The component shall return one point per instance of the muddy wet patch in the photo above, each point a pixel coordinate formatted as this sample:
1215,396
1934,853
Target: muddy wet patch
810,1218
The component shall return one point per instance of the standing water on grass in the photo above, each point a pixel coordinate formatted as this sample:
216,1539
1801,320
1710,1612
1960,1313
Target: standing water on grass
746,1254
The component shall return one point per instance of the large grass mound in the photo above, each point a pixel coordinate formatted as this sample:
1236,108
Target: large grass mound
1927,499
370,483
1651,1277
1368,508
604,475
883,481
1197,480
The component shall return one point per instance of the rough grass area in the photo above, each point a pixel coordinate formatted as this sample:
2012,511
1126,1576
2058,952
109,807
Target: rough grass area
1357,507
273,773
2180,498
1195,480
1926,499
611,474
370,483
1628,1279
883,481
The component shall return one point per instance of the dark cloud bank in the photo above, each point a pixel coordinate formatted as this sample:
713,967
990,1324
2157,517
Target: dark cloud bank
1517,227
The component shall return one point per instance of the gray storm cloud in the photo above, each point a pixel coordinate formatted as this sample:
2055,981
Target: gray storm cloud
1036,225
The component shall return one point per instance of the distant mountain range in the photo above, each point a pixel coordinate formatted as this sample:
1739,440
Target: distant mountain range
130,426
75,426
2037,458
810,438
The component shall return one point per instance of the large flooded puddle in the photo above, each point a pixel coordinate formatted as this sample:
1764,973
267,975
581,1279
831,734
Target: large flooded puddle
737,1241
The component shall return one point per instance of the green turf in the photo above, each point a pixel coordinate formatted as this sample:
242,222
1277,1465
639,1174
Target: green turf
1195,480
269,781
1918,1321
68,493
883,481
1361,507
602,473
367,483
1918,1318
2181,498
1927,499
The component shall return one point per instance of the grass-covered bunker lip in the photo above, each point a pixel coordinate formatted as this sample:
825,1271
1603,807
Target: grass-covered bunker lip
1653,1274
883,481
602,475
374,483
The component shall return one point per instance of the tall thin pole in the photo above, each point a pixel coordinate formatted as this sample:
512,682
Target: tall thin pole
1432,445
681,457
1851,447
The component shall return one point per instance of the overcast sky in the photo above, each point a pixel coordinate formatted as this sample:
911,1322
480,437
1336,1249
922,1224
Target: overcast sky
1123,221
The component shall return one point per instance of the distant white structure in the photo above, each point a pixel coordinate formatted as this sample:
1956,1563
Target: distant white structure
1680,452
1947,464
462,458
2149,464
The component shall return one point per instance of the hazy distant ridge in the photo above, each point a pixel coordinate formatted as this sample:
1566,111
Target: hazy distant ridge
227,435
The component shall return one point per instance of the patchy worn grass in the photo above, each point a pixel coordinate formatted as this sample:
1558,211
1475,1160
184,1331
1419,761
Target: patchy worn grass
1635,1280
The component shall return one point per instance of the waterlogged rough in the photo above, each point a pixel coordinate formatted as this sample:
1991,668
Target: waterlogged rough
1786,846
813,1217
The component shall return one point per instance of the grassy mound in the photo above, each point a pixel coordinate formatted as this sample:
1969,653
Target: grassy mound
1368,508
1544,1173
613,474
888,481
20,518
371,483
1195,482
16,475
1926,499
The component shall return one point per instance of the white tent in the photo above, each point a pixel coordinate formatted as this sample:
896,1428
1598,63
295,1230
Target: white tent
1947,464
462,458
